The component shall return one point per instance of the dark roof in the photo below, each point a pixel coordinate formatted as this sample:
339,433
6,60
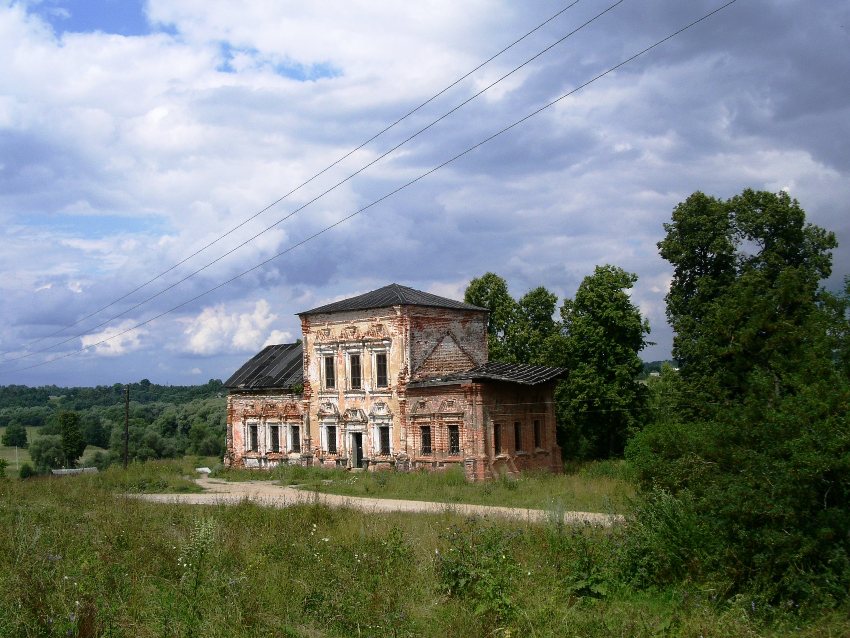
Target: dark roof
494,371
278,366
392,295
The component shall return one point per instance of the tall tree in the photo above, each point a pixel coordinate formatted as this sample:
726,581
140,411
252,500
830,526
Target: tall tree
527,336
601,402
71,436
761,448
491,292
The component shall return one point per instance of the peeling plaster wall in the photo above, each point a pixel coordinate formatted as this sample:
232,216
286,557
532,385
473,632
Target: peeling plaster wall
265,409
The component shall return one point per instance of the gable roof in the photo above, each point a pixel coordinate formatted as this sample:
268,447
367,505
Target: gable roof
277,366
522,373
392,295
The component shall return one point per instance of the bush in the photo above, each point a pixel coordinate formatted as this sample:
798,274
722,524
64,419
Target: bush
46,452
26,471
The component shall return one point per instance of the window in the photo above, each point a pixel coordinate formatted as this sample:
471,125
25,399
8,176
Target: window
356,377
538,434
517,436
252,438
454,439
330,372
384,439
426,440
330,435
295,433
275,434
497,438
381,370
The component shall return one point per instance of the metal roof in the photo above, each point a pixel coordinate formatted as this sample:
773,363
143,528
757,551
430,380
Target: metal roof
392,295
522,373
278,366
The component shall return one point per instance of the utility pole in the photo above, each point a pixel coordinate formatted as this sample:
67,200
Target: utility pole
126,423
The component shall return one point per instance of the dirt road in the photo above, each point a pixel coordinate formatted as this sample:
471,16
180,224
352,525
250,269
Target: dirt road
267,493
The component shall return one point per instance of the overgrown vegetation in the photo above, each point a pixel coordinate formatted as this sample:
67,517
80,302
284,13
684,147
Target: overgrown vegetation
82,561
750,445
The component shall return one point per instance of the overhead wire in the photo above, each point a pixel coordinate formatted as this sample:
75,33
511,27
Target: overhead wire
320,195
293,190
394,191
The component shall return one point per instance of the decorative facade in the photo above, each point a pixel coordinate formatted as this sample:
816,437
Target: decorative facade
395,378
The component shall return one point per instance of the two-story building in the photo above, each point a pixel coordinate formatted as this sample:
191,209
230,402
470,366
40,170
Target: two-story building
394,378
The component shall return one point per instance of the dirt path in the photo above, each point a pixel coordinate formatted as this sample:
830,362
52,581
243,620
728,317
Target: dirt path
266,493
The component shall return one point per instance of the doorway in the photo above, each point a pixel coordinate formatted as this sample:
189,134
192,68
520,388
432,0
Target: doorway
357,449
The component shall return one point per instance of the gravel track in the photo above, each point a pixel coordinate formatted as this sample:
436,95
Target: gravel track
218,492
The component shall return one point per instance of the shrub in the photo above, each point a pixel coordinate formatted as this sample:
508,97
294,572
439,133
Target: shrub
26,471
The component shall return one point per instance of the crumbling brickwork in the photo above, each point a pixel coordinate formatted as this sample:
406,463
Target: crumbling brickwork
402,385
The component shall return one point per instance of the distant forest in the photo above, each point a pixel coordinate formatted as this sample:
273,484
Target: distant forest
165,421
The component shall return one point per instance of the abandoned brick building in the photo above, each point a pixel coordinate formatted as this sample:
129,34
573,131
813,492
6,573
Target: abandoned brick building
394,378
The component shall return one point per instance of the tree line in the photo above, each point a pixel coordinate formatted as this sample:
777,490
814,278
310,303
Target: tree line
164,422
742,452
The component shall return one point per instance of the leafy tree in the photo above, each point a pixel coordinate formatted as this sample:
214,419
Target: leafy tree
526,337
3,465
761,445
491,291
71,436
600,402
15,435
46,452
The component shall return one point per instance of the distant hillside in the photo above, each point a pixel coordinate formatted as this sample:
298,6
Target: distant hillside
21,396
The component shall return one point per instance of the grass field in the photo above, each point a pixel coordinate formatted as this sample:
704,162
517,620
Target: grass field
599,487
80,560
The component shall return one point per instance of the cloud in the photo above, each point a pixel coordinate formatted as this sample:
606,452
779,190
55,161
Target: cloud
217,331
114,341
121,156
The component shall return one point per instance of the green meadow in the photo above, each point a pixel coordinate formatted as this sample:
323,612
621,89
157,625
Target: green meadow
82,559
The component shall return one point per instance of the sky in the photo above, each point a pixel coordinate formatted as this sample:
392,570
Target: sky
135,133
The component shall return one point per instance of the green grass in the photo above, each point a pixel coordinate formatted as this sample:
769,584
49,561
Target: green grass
79,560
597,487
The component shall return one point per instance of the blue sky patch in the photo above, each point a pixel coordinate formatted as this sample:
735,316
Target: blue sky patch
291,70
121,17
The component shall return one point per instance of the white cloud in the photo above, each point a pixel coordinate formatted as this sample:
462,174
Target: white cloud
217,331
120,156
116,340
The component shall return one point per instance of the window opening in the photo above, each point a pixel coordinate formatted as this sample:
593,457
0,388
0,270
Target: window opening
356,378
296,438
454,439
384,439
330,373
426,440
497,438
275,433
381,370
331,436
517,436
252,438
538,434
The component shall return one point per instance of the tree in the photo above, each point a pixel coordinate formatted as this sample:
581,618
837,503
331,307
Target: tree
491,292
761,443
15,435
600,402
46,452
745,284
71,436
533,324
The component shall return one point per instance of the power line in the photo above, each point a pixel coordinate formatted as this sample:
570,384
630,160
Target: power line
291,192
393,192
323,193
